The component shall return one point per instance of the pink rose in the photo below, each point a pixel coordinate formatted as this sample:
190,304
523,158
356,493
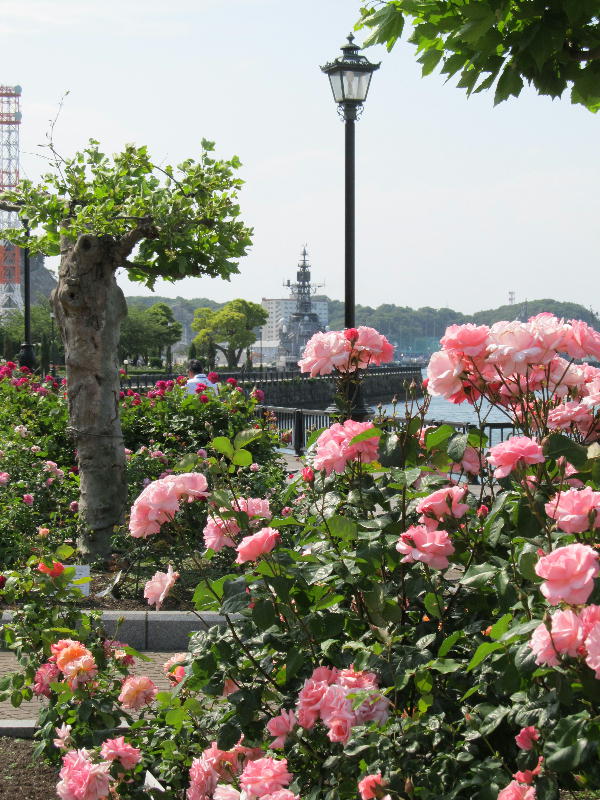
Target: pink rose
334,449
527,737
444,374
325,352
217,533
367,787
469,340
119,750
592,646
589,616
527,776
252,547
512,347
4,478
281,727
309,702
568,574
372,347
575,510
565,638
514,452
158,587
28,499
515,791
82,779
137,691
443,504
431,547
264,776
45,675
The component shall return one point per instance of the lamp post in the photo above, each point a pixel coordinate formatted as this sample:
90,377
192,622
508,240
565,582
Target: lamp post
350,77
26,357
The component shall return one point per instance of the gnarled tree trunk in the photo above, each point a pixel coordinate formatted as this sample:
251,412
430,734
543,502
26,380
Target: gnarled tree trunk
89,307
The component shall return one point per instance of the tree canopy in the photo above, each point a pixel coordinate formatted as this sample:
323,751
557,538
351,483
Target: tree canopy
229,330
553,45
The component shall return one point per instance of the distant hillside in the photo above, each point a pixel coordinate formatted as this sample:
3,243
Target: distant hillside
411,330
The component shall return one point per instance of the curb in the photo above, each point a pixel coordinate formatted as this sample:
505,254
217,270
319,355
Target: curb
154,631
18,728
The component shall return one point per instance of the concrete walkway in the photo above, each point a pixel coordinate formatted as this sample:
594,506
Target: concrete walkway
21,721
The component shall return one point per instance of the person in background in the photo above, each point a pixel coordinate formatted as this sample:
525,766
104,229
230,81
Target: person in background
197,376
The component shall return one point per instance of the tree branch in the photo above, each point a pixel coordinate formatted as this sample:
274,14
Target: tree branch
6,206
145,229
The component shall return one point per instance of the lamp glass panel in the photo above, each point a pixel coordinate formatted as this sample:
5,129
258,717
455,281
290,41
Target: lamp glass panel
356,85
335,79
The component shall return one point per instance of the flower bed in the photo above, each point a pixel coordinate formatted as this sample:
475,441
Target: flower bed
387,631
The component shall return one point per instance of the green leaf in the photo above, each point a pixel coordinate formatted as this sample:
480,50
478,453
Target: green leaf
430,602
566,758
449,643
391,452
509,84
296,658
222,445
314,436
499,628
242,458
439,435
482,652
369,433
63,552
342,527
479,575
245,437
263,614
175,717
557,445
187,463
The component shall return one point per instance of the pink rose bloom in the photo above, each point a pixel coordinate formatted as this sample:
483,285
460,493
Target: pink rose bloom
468,340
137,691
336,712
159,501
471,461
444,374
566,638
281,727
63,737
28,499
367,786
203,780
592,646
443,504
254,507
119,750
431,547
570,414
526,737
74,506
515,791
264,776
512,347
252,547
282,794
216,533
568,574
563,376
81,779
225,792
175,660
549,331
80,671
334,449
575,510
45,675
372,347
325,352
309,702
527,776
158,587
582,341
327,674
514,452
589,616
4,478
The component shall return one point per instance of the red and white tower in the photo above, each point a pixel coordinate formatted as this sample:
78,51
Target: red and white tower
10,256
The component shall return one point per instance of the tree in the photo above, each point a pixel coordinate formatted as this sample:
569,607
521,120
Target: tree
102,214
229,330
169,329
503,43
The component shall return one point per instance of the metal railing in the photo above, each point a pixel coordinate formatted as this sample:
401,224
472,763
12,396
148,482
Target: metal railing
250,378
299,424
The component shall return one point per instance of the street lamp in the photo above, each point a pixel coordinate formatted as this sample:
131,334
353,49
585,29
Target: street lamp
26,357
350,77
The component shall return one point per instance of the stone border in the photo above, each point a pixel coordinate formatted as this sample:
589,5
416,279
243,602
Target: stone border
156,631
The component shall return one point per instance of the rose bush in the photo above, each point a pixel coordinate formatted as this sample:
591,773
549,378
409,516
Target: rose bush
387,631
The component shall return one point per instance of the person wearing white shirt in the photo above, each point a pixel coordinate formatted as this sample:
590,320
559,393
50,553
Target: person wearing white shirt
197,376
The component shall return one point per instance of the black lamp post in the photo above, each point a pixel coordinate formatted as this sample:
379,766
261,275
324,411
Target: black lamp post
26,357
350,77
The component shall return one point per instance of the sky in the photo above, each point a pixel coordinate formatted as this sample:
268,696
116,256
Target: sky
457,202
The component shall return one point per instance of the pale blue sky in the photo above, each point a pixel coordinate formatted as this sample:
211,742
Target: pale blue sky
457,202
